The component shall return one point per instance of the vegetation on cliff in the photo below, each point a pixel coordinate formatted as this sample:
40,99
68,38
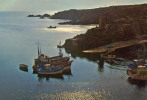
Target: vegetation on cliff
119,23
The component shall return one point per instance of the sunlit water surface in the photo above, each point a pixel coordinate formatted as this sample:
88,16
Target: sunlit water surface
86,81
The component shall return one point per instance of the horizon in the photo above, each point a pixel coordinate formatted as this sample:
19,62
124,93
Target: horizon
51,6
55,11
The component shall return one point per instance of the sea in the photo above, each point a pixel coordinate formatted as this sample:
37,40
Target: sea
88,79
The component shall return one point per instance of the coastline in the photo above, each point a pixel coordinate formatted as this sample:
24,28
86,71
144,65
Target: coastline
120,23
116,46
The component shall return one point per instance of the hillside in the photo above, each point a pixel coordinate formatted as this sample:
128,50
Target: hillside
120,23
91,16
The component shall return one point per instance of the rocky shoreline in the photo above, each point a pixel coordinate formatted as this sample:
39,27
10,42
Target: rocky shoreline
116,23
124,23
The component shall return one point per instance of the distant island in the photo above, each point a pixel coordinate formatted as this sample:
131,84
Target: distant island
116,23
41,16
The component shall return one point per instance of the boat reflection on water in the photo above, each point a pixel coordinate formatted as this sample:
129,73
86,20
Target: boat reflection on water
89,57
58,76
67,72
100,65
47,77
139,83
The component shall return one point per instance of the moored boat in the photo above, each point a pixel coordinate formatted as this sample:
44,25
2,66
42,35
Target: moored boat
53,61
135,75
65,65
137,70
23,66
51,65
50,71
51,27
62,59
47,59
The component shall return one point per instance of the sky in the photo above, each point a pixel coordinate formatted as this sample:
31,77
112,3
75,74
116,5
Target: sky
59,5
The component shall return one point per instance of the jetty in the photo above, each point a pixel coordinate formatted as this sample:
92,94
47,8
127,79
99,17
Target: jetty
114,46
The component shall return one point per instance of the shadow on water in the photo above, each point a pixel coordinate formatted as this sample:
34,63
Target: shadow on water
133,52
89,57
58,76
139,83
67,72
128,53
47,77
101,65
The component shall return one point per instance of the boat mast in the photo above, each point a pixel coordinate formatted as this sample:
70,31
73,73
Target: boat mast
38,49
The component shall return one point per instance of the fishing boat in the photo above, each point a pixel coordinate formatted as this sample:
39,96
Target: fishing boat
50,71
137,70
61,63
53,59
50,65
57,60
65,65
51,27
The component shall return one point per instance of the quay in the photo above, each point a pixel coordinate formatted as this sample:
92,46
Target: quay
114,46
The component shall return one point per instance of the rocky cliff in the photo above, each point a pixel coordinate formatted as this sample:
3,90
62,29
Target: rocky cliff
122,29
91,16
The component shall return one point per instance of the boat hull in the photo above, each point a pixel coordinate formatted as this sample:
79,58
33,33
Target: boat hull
133,74
67,68
66,65
51,71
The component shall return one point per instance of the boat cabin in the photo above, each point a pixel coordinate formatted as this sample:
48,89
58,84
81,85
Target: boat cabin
136,64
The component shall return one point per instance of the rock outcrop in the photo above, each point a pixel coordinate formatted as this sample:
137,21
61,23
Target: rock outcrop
122,29
91,16
45,15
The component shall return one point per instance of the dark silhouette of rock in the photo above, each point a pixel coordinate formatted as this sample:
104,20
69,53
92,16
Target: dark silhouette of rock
91,16
30,16
41,16
118,30
46,15
116,23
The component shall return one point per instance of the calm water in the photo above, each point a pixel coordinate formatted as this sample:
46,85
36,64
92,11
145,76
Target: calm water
86,81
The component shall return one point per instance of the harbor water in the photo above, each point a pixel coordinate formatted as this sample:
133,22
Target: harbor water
89,78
